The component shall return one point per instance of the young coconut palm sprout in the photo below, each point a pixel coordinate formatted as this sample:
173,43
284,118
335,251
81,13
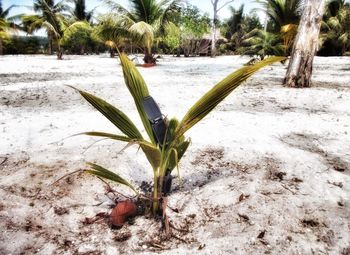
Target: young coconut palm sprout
167,143
144,21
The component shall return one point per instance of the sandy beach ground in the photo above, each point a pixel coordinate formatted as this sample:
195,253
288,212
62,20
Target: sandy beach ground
268,171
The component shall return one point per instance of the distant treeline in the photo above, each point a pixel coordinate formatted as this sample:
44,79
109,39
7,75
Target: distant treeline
174,28
26,45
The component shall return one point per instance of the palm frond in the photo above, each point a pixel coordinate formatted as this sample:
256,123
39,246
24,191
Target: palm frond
138,89
152,152
170,7
51,28
218,93
107,135
115,6
6,12
117,117
113,27
143,33
32,22
176,157
109,175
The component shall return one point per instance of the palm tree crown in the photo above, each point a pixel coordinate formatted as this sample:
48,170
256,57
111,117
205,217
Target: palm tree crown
80,12
282,12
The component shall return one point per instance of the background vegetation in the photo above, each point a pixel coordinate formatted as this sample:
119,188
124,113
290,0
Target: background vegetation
168,27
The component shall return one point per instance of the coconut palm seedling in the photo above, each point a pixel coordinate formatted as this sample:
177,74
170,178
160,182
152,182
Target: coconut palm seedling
167,143
144,22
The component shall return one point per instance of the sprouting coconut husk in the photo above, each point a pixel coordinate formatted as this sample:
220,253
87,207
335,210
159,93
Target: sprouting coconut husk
148,64
122,212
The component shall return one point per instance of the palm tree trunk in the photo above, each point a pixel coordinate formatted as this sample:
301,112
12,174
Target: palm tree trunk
50,49
178,52
342,51
82,49
1,48
111,52
59,52
305,46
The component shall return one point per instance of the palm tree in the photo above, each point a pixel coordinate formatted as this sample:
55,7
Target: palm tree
235,21
333,7
144,20
262,43
50,16
335,28
6,24
239,25
80,13
282,12
284,17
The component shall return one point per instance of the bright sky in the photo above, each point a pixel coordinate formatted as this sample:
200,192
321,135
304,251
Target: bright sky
204,5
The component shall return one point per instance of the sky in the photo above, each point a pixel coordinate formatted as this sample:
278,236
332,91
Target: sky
203,5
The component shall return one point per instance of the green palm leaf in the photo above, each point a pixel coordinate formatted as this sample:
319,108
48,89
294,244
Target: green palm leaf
138,89
107,135
106,174
117,117
176,157
144,33
218,93
153,155
152,152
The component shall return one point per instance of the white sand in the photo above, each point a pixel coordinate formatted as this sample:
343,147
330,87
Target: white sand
287,150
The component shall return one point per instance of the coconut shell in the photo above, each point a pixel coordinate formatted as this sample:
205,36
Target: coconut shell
122,212
148,65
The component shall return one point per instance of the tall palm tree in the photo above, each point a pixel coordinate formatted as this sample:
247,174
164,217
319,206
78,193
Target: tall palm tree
282,12
50,16
6,24
335,36
284,17
144,20
235,21
333,6
79,12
